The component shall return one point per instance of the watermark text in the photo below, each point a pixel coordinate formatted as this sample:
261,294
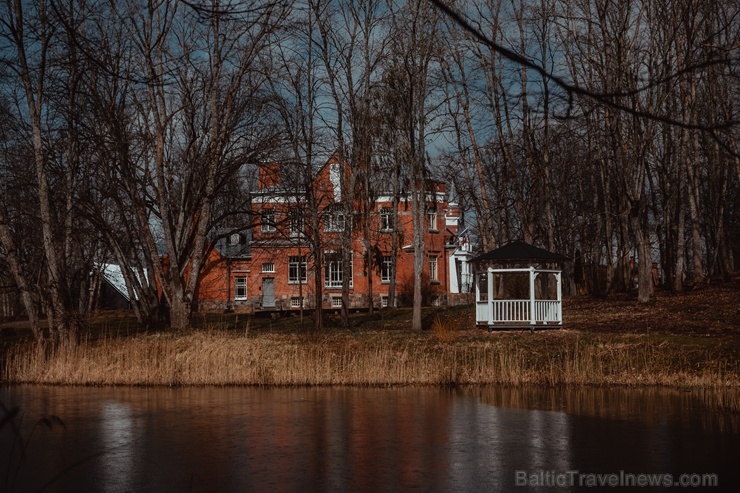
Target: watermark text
621,479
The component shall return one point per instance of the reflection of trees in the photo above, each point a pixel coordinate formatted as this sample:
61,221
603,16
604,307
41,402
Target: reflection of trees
348,439
647,404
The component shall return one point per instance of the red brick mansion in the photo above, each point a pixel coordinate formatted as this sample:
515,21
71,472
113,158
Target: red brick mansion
270,266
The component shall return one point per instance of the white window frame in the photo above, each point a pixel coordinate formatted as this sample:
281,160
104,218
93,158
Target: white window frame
335,221
333,274
268,220
296,301
240,282
386,269
297,223
432,219
336,302
433,268
298,265
386,219
268,267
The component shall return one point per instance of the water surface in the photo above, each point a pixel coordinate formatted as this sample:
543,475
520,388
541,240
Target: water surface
347,439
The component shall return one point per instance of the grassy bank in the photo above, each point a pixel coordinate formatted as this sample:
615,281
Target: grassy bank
379,358
689,340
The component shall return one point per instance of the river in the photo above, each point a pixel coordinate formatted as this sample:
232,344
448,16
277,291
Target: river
356,440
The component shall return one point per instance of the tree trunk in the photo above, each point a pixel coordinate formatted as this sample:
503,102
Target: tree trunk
417,208
180,313
695,217
645,289
22,284
35,96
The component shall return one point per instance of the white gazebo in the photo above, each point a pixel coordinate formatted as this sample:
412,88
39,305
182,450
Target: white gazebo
518,286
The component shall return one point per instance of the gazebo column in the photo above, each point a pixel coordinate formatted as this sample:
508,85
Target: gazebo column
559,279
532,316
490,295
476,281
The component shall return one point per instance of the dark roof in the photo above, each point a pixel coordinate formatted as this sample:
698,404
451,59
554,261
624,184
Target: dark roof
518,251
233,249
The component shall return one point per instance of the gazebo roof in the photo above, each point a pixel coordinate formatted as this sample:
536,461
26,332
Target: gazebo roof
518,251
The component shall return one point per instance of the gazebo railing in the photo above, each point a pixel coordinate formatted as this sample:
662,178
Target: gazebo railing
548,311
519,311
493,289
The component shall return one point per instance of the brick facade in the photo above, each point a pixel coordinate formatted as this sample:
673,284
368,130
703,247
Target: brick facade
271,267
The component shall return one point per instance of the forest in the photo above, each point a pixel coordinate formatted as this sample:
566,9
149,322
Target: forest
131,131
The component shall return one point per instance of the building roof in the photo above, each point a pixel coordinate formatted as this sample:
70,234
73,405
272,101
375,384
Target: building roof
233,245
518,251
113,275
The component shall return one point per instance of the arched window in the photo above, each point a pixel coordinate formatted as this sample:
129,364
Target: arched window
432,219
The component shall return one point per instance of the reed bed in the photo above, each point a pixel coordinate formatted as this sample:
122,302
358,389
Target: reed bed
374,358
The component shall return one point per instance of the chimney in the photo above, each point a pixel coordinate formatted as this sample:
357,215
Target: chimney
269,175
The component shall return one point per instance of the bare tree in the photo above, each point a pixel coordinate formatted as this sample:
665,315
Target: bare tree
458,70
413,55
11,219
201,118
351,48
630,88
297,89
45,72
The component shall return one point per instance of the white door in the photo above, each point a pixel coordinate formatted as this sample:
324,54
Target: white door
268,292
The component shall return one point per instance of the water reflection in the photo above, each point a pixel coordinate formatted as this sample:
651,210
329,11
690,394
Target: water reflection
116,432
343,439
489,443
645,430
690,408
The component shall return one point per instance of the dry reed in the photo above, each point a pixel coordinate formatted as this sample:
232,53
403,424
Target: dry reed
443,356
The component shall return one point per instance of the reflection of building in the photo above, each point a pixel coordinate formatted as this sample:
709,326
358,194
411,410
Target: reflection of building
271,266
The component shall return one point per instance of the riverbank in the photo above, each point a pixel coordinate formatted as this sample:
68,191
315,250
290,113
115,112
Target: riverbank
685,341
213,357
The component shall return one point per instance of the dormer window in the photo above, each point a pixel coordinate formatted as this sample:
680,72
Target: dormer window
235,239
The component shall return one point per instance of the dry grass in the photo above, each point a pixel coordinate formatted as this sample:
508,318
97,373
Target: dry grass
445,328
376,358
709,310
691,340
